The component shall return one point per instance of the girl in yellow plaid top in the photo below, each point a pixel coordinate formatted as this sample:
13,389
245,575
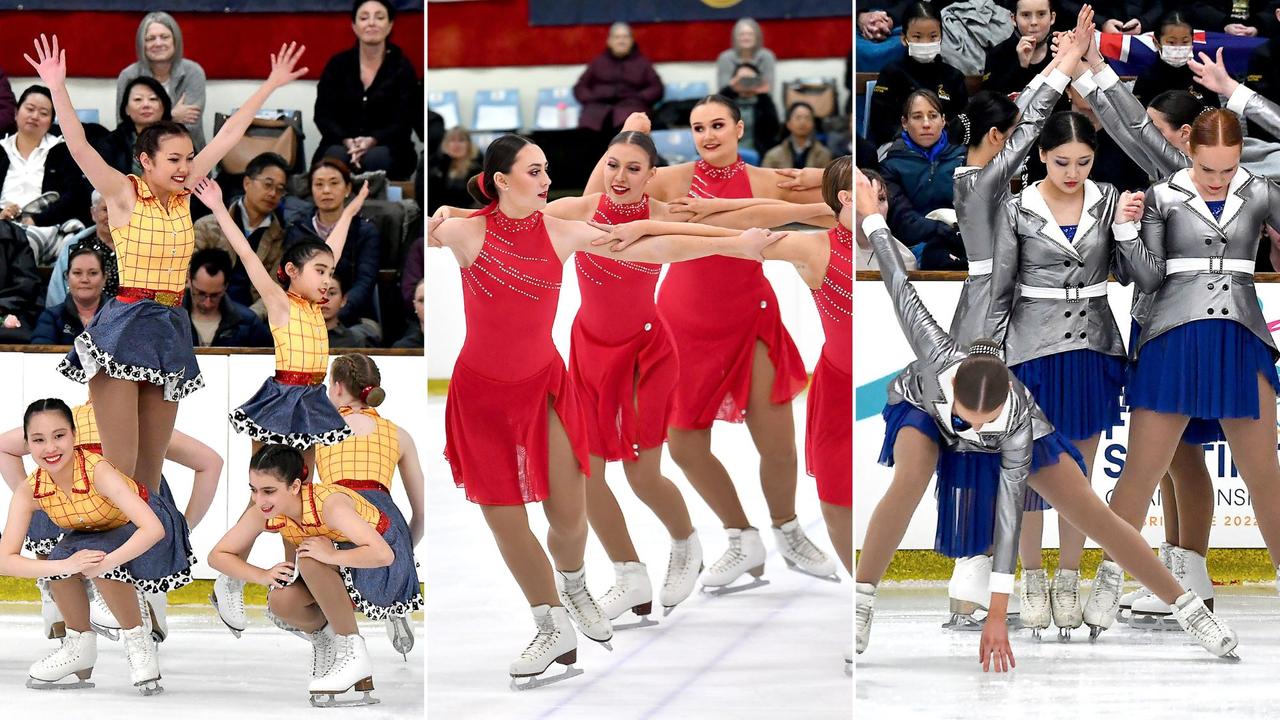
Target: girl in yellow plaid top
115,531
290,408
137,354
348,554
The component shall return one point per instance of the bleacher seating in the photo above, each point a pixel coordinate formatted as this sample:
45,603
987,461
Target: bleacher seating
446,104
676,146
557,109
497,110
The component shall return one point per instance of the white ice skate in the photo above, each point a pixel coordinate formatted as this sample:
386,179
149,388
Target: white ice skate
801,554
76,656
144,663
400,632
1104,599
227,597
280,623
351,671
101,619
54,625
683,567
866,610
631,591
1212,633
556,642
1036,613
158,607
1189,568
1064,598
745,555
1128,599
586,614
323,651
968,592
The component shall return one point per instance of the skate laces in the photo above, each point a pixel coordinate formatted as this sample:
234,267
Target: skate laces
1109,580
139,648
732,556
800,544
580,600
679,558
543,641
1204,624
323,654
235,591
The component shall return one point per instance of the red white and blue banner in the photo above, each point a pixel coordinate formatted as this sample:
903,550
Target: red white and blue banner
1132,54
594,12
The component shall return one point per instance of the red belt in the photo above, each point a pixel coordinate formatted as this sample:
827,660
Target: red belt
292,377
95,448
168,298
359,485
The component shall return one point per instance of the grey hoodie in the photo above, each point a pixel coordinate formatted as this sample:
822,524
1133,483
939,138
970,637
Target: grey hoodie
185,78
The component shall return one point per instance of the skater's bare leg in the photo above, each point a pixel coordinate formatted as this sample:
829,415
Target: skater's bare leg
115,406
565,506
915,457
122,598
295,605
1253,449
1192,499
691,449
1169,503
773,431
606,516
658,493
1031,540
73,602
522,553
1153,438
1071,540
1065,487
326,586
155,430
839,520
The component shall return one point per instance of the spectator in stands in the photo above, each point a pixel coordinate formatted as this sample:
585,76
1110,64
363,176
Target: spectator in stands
619,81
60,324
1173,41
357,334
866,259
413,271
453,166
19,285
747,47
1264,68
414,336
799,149
331,184
8,108
143,104
216,319
1011,64
260,216
34,161
1127,17
364,102
98,238
159,45
922,68
866,158
759,114
1245,18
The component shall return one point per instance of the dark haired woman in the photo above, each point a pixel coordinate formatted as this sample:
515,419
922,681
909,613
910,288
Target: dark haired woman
515,432
128,539
800,148
1054,252
951,402
1012,64
136,354
1173,38
143,103
34,149
922,68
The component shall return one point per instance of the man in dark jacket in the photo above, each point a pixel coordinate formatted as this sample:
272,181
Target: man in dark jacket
618,82
217,320
19,285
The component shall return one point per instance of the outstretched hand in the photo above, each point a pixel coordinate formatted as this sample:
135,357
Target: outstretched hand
866,203
1212,74
357,202
756,240
284,63
432,223
209,193
51,65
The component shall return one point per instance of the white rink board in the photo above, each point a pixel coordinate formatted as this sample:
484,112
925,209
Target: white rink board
881,351
229,381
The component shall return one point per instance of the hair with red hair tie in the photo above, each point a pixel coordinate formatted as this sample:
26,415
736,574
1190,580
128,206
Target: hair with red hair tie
364,393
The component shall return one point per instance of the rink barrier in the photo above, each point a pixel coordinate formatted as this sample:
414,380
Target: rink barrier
197,593
1227,566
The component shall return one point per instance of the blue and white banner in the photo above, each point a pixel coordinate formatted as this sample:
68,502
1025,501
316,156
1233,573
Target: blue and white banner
1132,54
209,6
593,12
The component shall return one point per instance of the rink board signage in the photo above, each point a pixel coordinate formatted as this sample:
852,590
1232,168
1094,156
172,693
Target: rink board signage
592,12
1234,522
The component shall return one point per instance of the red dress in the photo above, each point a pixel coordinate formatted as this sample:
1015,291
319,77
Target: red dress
828,446
717,308
622,361
508,369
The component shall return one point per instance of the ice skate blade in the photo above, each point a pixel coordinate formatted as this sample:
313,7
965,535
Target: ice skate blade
1154,622
537,681
319,700
112,634
81,682
149,687
1064,634
641,621
1230,657
848,668
213,600
964,623
668,610
731,589
1094,632
400,633
791,565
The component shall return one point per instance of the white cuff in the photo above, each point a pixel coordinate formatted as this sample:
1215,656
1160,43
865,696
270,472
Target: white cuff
872,223
1125,231
1239,99
1106,77
1058,80
1001,583
1085,84
1036,81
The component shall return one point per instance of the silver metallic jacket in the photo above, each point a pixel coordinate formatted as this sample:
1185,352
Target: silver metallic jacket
980,194
927,384
1032,251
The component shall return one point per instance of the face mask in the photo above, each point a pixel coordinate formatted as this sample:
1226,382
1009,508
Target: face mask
924,52
1175,55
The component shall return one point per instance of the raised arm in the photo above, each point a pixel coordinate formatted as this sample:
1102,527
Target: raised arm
637,122
1213,75
283,72
1117,106
411,476
1004,272
337,239
206,463
273,296
566,208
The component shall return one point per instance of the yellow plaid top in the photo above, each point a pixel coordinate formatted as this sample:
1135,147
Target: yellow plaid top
302,345
86,425
312,525
368,457
154,250
85,509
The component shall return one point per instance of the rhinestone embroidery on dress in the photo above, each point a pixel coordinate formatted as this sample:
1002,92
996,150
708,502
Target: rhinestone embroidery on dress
632,209
724,173
629,209
831,296
491,265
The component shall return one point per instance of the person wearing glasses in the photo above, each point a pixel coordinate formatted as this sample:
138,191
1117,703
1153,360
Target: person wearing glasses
216,319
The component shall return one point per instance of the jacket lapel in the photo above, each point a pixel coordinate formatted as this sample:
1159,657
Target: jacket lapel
1033,202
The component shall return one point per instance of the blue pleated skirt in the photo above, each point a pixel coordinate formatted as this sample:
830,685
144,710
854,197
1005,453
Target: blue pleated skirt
393,590
1078,390
42,534
968,481
296,415
1200,431
1203,369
